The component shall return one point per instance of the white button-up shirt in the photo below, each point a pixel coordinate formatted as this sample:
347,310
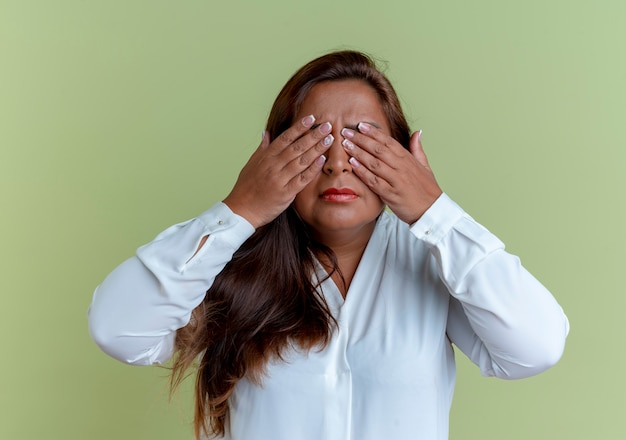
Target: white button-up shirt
388,371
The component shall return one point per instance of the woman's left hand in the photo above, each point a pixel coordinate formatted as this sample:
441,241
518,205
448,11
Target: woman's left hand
402,179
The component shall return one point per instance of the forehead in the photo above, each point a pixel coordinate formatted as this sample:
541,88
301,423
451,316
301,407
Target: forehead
345,101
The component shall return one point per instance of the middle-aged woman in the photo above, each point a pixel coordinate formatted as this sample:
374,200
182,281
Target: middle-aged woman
312,311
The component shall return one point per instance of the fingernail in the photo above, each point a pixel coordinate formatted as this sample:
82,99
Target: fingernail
320,160
328,140
325,128
308,121
355,163
419,135
347,133
363,127
348,145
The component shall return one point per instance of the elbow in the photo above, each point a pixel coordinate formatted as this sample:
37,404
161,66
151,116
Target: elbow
528,366
542,354
105,336
554,346
541,360
132,349
118,322
550,347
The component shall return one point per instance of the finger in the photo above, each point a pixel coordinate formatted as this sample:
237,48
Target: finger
373,181
318,137
374,147
303,178
293,133
378,163
372,136
307,158
415,147
373,162
265,140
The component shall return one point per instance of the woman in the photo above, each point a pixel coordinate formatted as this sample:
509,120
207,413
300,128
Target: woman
315,313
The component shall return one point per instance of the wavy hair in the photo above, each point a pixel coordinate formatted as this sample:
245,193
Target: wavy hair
267,297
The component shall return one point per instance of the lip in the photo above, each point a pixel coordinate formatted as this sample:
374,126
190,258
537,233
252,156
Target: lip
346,191
338,195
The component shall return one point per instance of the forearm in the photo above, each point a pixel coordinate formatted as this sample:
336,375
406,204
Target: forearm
506,321
136,311
500,315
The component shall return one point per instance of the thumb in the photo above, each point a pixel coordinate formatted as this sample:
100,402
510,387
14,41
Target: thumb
415,147
265,140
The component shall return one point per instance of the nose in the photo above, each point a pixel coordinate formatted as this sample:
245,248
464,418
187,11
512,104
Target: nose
337,158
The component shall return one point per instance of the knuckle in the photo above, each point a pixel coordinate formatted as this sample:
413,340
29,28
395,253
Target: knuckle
297,147
286,137
316,136
372,180
303,160
379,149
320,148
374,164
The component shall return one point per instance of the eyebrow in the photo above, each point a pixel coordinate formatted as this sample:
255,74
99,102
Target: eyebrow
352,127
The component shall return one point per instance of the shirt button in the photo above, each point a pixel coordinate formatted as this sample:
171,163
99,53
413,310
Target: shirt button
220,222
427,232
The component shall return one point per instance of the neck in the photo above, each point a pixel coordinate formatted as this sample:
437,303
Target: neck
348,247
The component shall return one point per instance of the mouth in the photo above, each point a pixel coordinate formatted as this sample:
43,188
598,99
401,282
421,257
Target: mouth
338,195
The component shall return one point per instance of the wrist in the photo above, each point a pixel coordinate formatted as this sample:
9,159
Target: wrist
241,210
421,207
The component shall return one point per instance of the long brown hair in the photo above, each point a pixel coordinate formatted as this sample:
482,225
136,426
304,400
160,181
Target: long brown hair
267,297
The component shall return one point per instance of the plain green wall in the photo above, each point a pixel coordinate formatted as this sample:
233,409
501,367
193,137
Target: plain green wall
119,118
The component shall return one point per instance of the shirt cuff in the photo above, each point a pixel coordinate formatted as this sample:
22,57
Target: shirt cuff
220,218
177,246
438,220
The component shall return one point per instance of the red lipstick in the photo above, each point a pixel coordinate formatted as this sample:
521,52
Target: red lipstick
338,195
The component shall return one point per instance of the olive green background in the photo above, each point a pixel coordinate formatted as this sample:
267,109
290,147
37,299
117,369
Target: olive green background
119,118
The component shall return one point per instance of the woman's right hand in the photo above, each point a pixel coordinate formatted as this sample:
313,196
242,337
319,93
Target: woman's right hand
279,170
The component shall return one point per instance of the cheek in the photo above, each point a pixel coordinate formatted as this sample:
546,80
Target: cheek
304,198
372,197
375,203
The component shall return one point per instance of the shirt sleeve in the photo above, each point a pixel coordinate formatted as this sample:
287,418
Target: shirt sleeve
500,316
135,312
